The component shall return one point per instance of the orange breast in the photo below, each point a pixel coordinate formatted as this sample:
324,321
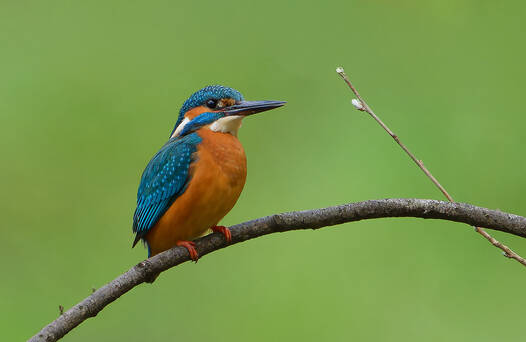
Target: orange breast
217,179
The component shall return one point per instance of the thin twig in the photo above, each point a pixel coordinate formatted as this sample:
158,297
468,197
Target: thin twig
363,106
308,219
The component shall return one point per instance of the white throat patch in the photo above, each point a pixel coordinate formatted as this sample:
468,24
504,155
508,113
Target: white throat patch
229,124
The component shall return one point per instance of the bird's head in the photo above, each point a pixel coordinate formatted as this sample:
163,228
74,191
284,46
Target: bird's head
218,108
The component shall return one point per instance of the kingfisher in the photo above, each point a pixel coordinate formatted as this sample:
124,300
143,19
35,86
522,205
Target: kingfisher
196,177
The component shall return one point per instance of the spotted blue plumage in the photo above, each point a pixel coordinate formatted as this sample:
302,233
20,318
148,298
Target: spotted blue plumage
164,179
200,97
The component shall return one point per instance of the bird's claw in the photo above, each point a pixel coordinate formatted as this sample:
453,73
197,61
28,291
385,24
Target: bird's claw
190,246
223,230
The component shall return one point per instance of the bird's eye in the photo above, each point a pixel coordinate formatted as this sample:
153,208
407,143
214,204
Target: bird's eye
212,104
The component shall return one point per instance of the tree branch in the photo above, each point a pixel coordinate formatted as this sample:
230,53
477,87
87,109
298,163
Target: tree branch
308,219
361,105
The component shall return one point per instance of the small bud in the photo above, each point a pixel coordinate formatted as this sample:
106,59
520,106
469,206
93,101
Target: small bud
339,70
357,104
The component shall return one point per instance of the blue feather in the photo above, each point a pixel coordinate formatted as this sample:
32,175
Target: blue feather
164,179
199,121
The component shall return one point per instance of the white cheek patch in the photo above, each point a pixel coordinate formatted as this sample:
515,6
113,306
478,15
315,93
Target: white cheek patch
180,127
229,124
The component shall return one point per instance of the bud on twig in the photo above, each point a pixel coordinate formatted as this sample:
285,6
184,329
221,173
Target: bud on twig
357,104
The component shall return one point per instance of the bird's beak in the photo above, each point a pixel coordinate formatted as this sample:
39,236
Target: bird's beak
245,108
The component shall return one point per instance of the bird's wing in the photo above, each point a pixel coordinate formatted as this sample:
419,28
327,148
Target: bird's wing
164,179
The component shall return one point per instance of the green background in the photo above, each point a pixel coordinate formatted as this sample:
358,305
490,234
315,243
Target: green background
90,90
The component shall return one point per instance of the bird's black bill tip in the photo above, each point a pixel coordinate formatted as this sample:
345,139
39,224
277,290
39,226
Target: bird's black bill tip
252,107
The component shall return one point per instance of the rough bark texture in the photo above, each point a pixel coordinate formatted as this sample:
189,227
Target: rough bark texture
308,219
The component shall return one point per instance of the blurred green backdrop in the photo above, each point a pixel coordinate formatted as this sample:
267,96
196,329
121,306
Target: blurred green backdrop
90,90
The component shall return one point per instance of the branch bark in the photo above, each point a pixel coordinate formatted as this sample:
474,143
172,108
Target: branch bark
308,219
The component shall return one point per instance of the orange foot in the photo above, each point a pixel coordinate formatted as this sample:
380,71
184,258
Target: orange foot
223,230
190,246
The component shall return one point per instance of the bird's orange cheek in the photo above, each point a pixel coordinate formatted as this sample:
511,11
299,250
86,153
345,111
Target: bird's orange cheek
194,112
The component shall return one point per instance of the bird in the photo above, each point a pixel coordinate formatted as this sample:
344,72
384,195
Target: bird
196,177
